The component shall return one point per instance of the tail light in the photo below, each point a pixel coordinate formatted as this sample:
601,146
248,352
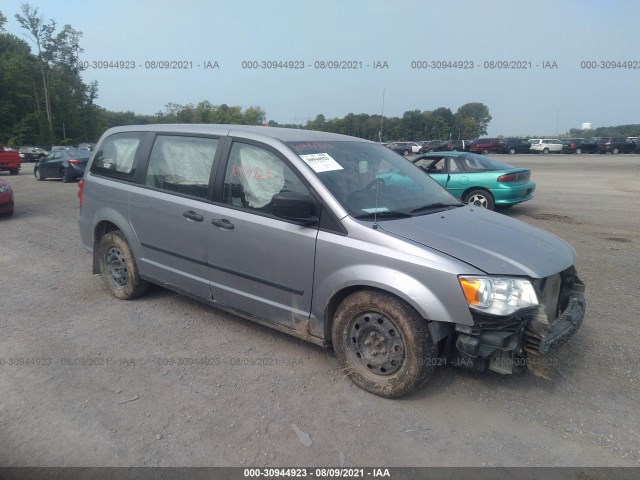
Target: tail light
80,190
508,177
75,162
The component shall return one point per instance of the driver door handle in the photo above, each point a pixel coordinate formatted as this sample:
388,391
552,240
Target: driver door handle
191,215
223,223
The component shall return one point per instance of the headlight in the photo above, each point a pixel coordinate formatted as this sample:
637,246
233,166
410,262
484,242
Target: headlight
498,295
4,188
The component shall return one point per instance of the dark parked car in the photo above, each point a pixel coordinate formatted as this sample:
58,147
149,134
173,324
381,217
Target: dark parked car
65,164
616,145
452,146
403,148
514,145
32,154
579,145
430,145
485,145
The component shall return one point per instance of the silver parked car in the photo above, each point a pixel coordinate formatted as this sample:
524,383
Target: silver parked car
330,238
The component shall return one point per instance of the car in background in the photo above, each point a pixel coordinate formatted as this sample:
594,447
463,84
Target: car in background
546,145
478,180
9,160
6,198
452,146
32,154
579,145
87,146
616,145
514,145
65,164
485,145
430,145
404,148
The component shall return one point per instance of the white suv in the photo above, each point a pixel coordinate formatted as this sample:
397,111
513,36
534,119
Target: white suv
546,145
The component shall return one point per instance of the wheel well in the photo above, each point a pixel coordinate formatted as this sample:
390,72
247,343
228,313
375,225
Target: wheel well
102,228
471,189
335,301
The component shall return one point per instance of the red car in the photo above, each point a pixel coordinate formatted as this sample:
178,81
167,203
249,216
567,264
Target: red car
9,160
6,198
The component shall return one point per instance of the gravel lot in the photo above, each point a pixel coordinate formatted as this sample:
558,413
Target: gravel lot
103,384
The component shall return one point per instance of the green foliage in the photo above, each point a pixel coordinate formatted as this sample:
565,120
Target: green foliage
43,99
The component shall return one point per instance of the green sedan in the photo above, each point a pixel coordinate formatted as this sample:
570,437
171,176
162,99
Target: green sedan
478,179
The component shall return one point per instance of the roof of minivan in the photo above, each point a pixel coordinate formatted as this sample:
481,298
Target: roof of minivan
282,134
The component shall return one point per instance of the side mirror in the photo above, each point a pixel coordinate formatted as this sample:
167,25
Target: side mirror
294,206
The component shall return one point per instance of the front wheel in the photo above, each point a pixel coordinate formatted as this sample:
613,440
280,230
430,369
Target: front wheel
615,151
384,344
64,175
14,172
578,151
118,267
405,152
512,151
545,151
480,198
36,173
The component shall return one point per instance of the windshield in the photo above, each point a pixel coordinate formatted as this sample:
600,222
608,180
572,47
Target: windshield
368,179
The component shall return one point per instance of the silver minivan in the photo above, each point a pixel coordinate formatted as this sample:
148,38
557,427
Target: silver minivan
333,239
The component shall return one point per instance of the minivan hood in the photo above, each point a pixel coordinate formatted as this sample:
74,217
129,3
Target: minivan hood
489,241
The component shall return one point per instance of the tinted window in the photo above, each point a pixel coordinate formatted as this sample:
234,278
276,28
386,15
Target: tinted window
116,157
181,164
254,175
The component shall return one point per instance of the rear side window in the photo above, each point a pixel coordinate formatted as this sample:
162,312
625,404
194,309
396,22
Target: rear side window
181,164
117,154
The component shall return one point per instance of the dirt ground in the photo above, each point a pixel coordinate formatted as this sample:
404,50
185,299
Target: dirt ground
88,380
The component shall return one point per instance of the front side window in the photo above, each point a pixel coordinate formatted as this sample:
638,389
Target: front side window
254,175
116,157
181,164
368,179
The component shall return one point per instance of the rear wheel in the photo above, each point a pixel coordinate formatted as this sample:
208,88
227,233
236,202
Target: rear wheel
384,344
512,151
485,151
480,198
545,150
578,151
405,152
118,267
615,150
14,172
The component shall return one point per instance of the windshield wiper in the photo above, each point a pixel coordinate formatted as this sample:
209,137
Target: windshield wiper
434,206
385,214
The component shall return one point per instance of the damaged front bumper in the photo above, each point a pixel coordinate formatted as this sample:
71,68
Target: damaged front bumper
502,344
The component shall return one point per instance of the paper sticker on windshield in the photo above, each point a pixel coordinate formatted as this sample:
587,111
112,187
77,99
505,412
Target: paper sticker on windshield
375,210
321,162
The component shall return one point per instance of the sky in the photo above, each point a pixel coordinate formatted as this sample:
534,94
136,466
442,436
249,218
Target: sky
398,36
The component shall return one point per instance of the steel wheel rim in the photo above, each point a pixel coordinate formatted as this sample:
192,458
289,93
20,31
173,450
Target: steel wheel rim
117,266
478,200
375,344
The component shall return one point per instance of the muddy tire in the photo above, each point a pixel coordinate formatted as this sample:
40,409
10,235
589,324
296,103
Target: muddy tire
383,344
118,267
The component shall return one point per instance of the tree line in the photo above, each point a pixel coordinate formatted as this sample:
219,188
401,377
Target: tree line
44,100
